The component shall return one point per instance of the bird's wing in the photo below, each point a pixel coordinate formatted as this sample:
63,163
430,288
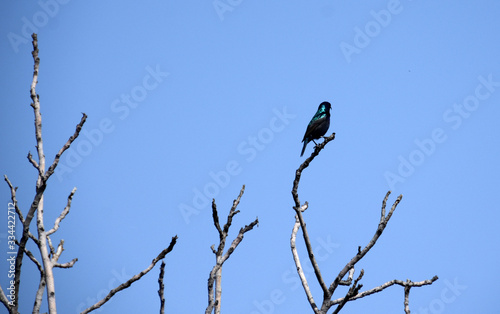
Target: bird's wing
313,125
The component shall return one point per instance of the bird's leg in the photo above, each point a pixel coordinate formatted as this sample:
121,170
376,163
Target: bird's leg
315,144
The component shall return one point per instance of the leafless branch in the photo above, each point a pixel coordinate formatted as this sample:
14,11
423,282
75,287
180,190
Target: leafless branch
39,293
312,258
34,163
298,265
380,229
305,164
407,298
41,285
214,300
161,293
72,138
300,218
353,292
13,197
349,278
133,279
63,213
409,284
67,264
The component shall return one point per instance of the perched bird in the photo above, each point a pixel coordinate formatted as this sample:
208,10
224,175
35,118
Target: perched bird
318,126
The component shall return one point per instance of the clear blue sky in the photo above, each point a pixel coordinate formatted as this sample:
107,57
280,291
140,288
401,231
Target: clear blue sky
189,101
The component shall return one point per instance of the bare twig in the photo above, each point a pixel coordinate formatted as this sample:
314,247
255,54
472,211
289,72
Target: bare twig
161,293
407,297
215,277
298,265
314,263
349,278
380,229
68,143
67,264
133,279
387,285
13,197
63,213
353,290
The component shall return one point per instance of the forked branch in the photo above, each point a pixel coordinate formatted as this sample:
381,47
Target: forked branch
354,290
215,277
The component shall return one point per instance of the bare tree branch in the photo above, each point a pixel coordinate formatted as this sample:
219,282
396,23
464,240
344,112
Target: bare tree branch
298,265
161,293
34,163
133,279
353,292
409,284
349,278
380,229
309,248
72,138
297,208
37,203
63,213
13,197
41,285
407,298
67,264
215,277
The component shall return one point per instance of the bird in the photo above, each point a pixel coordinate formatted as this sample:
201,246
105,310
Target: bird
318,126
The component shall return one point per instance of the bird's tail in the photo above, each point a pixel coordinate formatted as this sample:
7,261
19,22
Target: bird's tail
304,147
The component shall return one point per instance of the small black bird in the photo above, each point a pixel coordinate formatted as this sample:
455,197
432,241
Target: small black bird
318,126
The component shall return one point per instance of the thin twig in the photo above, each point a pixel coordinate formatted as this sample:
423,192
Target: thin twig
362,253
68,143
13,197
353,290
63,213
385,286
67,264
298,265
133,279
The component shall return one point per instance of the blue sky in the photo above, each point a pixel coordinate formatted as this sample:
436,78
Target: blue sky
188,101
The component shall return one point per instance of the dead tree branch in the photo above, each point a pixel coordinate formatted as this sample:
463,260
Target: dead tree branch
50,254
215,277
37,203
353,292
63,213
161,293
133,279
296,258
408,285
299,219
